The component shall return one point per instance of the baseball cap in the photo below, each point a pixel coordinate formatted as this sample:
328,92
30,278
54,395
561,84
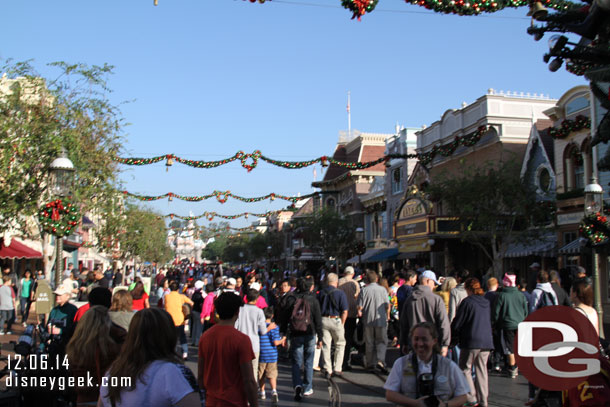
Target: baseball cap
61,290
430,274
198,285
534,265
255,286
349,270
231,281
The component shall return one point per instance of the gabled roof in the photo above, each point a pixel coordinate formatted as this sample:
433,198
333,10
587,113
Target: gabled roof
540,138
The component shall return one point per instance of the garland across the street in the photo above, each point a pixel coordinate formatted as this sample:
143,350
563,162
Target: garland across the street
359,7
59,217
221,196
213,230
595,228
474,7
568,126
250,161
211,215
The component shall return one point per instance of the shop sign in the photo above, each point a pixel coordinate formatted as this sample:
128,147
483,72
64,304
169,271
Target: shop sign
412,208
414,245
569,218
412,229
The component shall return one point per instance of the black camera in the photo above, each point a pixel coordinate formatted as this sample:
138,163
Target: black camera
425,386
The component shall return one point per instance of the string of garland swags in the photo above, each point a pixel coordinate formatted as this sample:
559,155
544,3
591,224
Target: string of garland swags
568,126
595,228
250,161
59,217
221,196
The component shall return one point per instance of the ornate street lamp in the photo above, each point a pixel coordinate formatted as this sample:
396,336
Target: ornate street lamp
61,173
594,203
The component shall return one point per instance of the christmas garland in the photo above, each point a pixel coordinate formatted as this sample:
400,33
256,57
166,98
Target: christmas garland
59,217
475,7
221,196
214,230
211,215
595,228
250,161
569,126
359,7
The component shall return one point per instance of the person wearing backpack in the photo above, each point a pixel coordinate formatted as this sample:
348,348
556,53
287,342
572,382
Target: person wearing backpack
302,326
543,295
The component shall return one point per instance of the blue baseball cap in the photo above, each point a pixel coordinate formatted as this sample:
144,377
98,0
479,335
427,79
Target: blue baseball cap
430,274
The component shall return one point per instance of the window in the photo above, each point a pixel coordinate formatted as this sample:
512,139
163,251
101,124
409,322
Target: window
544,179
577,104
396,180
569,237
330,202
574,168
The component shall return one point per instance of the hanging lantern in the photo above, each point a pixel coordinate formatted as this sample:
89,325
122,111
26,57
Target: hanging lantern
272,197
324,161
246,215
170,197
171,216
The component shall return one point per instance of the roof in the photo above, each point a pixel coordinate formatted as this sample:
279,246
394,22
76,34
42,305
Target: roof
362,153
335,171
547,143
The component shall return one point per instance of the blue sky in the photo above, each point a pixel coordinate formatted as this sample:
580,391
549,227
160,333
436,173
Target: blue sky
208,78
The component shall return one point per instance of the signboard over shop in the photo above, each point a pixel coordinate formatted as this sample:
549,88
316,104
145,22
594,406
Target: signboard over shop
413,208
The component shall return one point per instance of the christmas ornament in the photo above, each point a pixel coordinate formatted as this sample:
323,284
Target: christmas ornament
359,7
595,228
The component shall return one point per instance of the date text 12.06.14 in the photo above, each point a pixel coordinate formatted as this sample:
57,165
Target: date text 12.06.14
37,362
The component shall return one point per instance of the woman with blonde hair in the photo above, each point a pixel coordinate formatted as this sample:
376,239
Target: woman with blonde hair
120,310
91,351
158,377
448,284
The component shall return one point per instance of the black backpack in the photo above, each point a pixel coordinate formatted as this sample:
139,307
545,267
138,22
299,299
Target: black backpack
301,316
545,300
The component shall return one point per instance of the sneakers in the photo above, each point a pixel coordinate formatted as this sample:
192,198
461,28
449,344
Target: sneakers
381,368
261,395
1,332
274,397
24,324
338,373
513,373
298,393
308,392
185,356
9,332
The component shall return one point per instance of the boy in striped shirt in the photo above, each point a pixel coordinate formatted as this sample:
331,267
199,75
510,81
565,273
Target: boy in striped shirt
267,365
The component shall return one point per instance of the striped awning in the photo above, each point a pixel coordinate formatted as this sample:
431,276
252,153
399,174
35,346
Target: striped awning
574,247
369,253
546,246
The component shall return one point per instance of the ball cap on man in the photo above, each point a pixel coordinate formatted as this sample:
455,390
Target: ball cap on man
430,275
535,265
61,290
349,270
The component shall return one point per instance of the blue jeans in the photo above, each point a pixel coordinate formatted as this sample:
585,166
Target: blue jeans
196,327
302,349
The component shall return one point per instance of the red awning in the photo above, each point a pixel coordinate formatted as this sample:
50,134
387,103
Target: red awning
17,250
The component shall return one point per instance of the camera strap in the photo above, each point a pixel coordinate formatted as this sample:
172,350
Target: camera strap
415,364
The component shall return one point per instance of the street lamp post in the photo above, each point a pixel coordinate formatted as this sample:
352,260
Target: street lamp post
61,172
594,203
360,237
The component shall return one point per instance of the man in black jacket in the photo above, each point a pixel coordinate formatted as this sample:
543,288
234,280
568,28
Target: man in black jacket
303,343
562,297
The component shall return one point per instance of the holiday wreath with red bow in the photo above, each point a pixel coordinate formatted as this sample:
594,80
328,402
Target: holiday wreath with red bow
59,217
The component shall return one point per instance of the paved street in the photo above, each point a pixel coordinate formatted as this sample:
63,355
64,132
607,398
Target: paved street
359,388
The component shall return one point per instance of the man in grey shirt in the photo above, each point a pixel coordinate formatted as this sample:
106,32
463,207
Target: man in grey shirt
251,322
374,311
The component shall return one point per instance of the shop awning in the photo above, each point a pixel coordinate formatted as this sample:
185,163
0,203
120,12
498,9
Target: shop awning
365,257
17,250
574,247
386,254
544,247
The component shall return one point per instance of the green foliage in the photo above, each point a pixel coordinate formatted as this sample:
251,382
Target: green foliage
144,235
329,233
39,117
491,202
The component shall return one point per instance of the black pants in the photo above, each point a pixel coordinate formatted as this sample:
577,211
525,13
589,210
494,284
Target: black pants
350,330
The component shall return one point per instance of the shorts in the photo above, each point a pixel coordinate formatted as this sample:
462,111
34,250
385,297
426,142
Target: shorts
268,370
508,335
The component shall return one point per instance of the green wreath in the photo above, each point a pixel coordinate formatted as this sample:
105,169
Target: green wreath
595,228
59,217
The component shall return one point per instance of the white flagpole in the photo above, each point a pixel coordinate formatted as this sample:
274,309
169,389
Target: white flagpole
349,118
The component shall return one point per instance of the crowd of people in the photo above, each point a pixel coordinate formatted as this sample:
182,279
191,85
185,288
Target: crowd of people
456,328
